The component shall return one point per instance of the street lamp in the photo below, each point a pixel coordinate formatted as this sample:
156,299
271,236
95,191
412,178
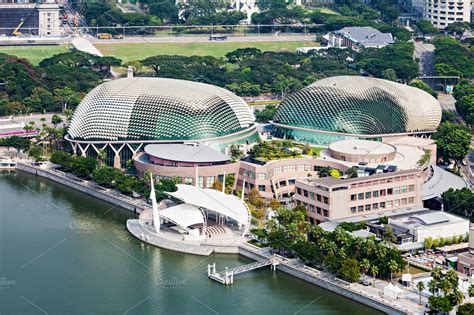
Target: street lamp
65,103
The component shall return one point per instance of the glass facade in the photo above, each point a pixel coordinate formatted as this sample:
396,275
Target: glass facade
355,105
159,109
123,115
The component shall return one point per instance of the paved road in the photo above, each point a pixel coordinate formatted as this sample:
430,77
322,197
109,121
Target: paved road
425,52
204,38
447,102
468,169
16,123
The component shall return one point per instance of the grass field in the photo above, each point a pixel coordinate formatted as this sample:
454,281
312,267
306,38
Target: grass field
33,53
328,11
129,52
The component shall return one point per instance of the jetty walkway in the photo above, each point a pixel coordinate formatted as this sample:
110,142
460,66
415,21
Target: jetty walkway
227,276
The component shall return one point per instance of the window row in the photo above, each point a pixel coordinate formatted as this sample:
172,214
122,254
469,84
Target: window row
291,168
383,192
382,181
384,205
314,209
312,195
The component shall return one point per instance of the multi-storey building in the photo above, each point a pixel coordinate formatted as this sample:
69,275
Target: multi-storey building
441,13
276,179
331,198
29,18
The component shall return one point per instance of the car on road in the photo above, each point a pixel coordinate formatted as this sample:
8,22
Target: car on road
104,36
217,37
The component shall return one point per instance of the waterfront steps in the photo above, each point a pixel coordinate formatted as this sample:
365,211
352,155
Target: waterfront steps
147,234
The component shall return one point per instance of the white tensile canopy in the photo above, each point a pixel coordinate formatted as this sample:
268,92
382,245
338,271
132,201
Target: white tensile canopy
216,201
183,215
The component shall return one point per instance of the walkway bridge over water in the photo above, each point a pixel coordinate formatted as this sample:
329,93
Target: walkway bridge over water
227,276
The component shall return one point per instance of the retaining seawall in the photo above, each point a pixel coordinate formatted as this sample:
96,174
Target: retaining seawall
86,187
298,270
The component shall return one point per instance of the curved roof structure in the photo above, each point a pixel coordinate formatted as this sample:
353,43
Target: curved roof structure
158,109
185,153
183,215
365,147
214,200
430,218
440,181
359,106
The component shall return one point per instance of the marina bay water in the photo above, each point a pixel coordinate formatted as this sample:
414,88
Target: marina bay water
63,252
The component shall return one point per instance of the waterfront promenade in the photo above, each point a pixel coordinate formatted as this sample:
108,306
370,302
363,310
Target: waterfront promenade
371,296
368,295
88,187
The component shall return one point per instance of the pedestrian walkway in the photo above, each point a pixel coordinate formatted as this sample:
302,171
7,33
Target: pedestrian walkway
227,276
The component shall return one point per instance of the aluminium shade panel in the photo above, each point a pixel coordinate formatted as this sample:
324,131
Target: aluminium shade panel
360,105
159,109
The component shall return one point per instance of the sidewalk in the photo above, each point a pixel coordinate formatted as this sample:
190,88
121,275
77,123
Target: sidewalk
369,295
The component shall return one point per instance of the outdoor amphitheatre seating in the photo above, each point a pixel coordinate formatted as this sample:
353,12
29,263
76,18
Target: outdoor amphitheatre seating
213,229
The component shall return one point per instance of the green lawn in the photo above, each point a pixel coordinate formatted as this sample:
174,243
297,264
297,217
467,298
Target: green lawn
328,11
33,53
129,52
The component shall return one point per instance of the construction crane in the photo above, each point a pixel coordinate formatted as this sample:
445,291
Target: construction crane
17,32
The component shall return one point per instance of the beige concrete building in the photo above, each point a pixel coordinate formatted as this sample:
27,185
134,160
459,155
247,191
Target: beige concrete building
331,198
362,151
276,179
195,165
49,19
441,13
273,179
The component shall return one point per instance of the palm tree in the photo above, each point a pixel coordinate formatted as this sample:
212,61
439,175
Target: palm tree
365,266
29,127
370,246
433,286
393,266
452,277
56,120
101,155
358,244
436,274
445,286
380,250
457,297
374,270
470,290
68,112
331,247
420,287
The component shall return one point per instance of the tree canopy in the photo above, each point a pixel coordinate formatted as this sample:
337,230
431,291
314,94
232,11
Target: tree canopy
453,141
398,57
459,201
58,81
454,56
290,233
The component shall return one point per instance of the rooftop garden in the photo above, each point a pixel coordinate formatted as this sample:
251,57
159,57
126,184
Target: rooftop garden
281,149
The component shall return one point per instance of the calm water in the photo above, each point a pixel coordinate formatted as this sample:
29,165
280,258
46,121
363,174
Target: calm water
62,252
